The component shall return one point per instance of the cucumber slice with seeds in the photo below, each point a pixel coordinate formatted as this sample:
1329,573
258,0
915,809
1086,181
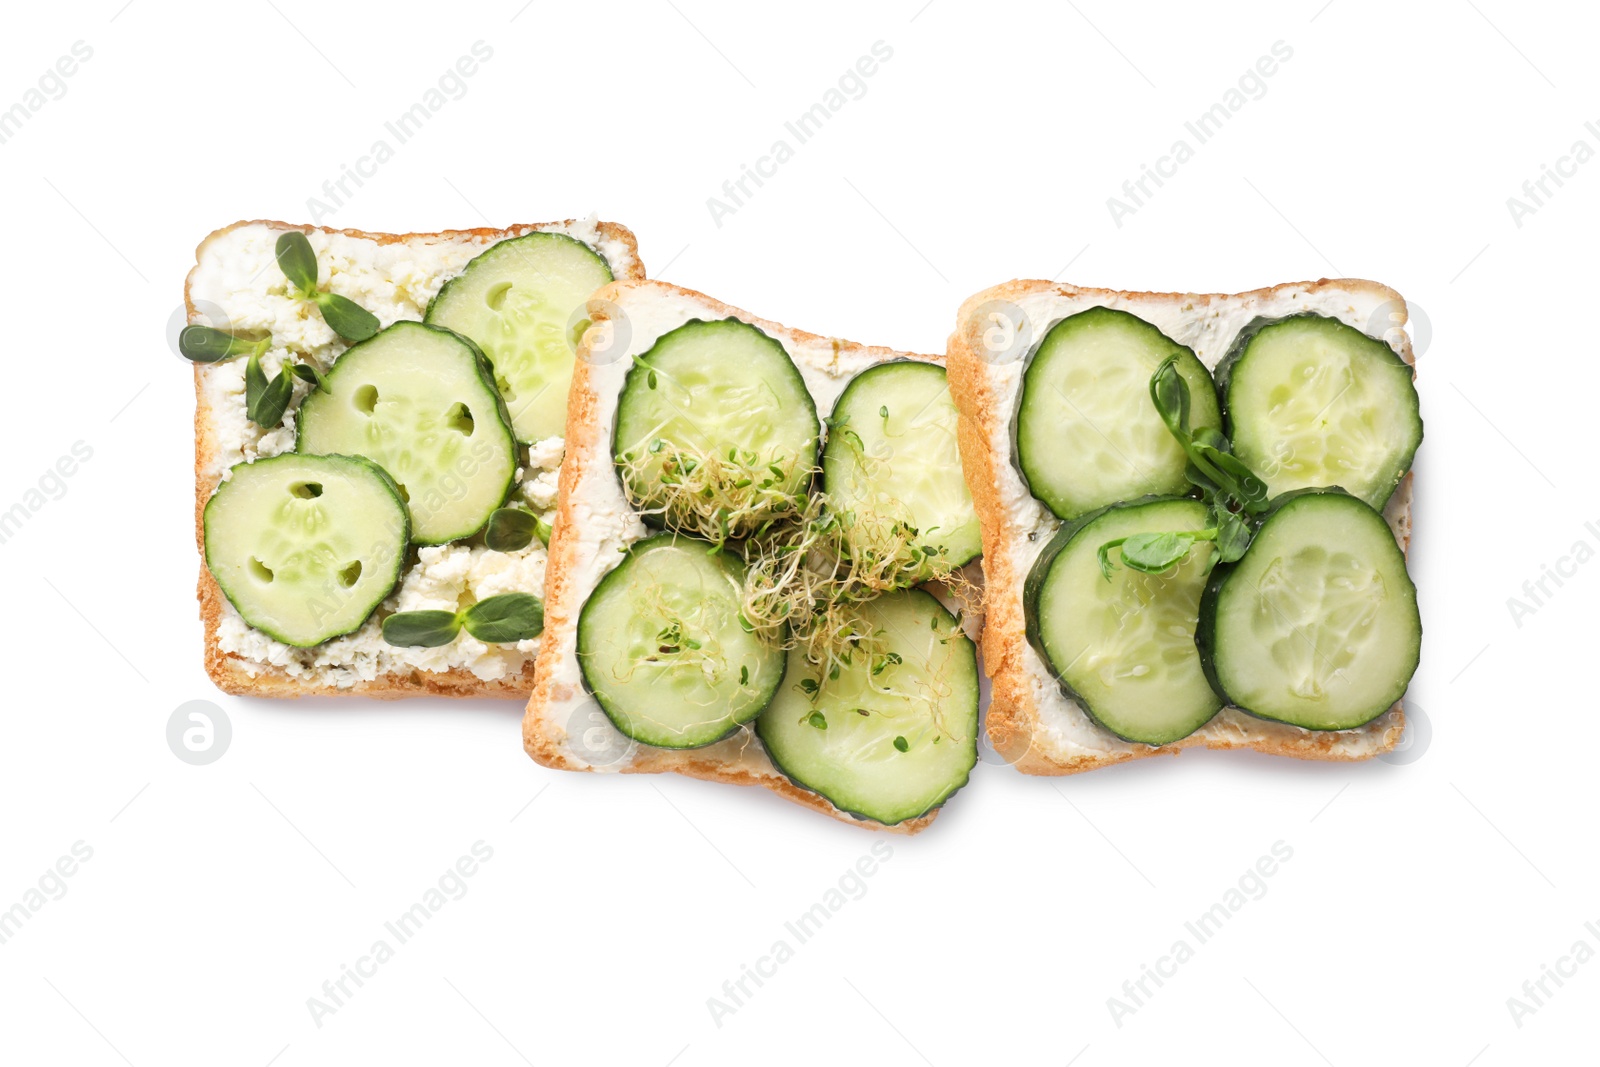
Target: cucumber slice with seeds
306,547
418,401
516,301
892,454
662,649
1087,434
1314,402
916,742
1316,625
1124,648
709,406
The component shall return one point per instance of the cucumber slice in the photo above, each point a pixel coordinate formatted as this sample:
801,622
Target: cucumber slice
516,301
892,454
418,401
1087,434
1317,624
306,547
1124,649
1313,402
704,391
662,648
917,741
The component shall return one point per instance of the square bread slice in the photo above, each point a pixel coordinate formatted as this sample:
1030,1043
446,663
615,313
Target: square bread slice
237,285
565,727
1030,722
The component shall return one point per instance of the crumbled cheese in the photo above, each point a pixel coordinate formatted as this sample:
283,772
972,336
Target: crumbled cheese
446,578
546,454
540,491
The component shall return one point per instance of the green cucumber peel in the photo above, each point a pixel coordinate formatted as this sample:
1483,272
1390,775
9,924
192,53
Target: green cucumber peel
206,344
497,620
344,316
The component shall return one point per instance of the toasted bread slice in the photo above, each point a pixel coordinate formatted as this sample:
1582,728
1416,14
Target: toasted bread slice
564,727
1030,722
235,285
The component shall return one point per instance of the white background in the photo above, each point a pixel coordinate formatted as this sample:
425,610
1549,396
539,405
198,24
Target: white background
1421,894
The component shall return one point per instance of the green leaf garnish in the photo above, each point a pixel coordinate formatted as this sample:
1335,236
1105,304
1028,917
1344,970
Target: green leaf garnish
203,344
817,719
1154,553
347,318
505,619
1233,491
307,373
502,619
266,401
1212,466
1233,536
344,316
297,261
1170,394
1230,473
510,530
421,629
901,743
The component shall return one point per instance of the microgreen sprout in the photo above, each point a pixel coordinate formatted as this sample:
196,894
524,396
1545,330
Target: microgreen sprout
1232,491
503,619
266,400
719,495
510,530
298,262
205,344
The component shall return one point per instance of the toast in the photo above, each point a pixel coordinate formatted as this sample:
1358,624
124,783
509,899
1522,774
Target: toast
1030,722
236,285
564,726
